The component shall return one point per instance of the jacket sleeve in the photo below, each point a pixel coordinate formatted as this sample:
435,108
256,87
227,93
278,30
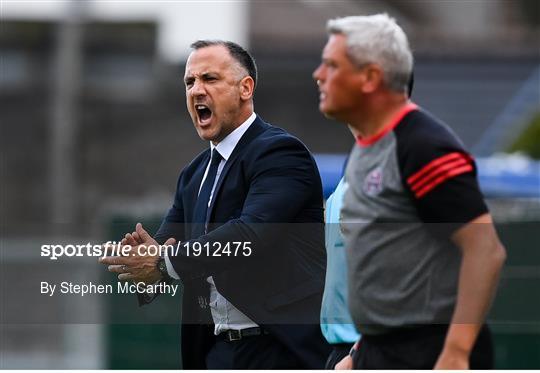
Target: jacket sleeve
173,223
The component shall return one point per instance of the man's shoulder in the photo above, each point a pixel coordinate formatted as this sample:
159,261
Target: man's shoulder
420,130
273,136
266,139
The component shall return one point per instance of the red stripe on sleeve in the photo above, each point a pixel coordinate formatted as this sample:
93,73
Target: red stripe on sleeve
436,172
448,175
434,164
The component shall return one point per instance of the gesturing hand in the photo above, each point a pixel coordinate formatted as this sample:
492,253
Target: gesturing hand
139,265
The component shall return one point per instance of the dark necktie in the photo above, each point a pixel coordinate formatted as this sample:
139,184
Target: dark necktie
201,206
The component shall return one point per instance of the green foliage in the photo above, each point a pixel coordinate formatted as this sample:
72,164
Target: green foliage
529,141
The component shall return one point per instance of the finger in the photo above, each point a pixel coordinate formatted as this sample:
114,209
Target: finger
117,268
115,260
137,237
125,277
170,241
142,233
131,240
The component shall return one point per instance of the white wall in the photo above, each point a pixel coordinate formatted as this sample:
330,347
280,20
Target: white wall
179,22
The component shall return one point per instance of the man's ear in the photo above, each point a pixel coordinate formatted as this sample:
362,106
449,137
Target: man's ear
372,78
247,85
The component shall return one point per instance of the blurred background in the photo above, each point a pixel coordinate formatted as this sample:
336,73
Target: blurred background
95,132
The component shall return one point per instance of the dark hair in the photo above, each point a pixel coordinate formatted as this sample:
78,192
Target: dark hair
236,51
410,85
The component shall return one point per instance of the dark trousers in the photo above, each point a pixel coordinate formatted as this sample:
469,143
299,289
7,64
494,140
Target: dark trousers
339,351
416,348
258,352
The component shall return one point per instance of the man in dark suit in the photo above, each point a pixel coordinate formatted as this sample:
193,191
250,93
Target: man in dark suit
257,305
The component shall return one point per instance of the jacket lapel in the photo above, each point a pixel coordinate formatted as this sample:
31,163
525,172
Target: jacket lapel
256,128
192,189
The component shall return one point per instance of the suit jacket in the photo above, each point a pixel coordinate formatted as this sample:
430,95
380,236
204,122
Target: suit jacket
269,194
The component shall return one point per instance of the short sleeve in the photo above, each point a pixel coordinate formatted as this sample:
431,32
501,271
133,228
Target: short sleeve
439,174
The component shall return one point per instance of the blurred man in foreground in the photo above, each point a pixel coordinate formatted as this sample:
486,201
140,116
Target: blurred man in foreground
423,256
256,307
336,323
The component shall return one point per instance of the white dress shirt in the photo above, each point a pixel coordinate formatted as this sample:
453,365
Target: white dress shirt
225,315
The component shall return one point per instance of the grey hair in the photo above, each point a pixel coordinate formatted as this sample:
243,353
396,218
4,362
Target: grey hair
377,39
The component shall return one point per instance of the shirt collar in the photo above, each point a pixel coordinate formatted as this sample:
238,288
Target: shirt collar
398,117
226,146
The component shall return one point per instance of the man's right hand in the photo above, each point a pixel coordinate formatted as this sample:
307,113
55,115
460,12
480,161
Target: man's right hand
140,265
132,239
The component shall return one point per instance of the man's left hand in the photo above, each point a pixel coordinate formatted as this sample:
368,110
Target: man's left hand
139,265
345,364
452,359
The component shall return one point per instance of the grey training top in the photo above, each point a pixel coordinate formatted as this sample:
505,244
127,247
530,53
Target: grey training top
410,187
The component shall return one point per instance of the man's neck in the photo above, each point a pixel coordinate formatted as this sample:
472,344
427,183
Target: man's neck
242,118
377,117
226,146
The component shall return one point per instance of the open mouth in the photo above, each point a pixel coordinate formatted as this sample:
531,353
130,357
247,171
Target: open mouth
204,113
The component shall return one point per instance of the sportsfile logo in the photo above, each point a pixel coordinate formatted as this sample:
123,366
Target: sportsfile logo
112,248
